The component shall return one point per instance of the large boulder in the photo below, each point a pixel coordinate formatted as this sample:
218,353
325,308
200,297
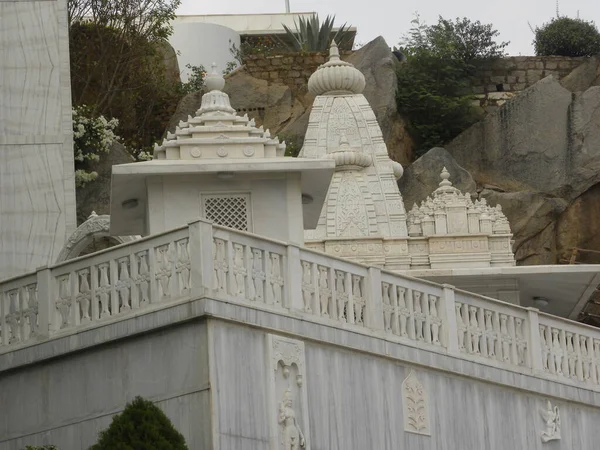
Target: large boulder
422,177
538,156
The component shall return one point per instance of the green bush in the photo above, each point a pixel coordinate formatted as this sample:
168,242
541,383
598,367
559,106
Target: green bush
141,426
434,82
564,36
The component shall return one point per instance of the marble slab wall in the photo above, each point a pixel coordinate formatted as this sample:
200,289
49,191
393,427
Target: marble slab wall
37,179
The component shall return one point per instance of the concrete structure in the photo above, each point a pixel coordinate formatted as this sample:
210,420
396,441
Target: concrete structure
201,44
220,166
37,179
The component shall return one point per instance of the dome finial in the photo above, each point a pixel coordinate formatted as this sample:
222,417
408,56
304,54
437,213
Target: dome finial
214,81
334,52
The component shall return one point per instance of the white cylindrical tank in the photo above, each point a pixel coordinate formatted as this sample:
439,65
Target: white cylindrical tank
198,43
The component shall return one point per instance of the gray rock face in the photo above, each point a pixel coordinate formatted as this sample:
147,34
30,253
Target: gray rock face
422,177
539,157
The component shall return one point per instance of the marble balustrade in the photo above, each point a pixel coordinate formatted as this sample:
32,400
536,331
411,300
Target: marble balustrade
224,264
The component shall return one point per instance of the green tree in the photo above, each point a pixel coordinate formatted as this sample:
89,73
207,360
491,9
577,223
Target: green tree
117,53
141,426
434,82
564,36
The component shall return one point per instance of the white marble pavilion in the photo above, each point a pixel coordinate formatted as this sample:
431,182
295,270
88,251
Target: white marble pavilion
252,333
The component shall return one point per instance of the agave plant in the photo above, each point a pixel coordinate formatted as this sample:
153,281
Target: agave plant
312,36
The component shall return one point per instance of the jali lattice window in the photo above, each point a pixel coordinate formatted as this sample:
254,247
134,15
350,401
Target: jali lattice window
228,210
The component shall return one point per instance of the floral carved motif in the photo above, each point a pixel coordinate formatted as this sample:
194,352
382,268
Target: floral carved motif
551,416
415,405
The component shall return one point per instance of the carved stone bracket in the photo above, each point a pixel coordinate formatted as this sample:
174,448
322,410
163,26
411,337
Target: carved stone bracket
286,387
415,406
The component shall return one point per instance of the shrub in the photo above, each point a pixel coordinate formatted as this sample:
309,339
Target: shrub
92,136
311,35
141,426
434,81
564,36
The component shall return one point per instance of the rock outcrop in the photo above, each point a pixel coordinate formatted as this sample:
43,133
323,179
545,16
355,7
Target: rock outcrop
284,109
539,157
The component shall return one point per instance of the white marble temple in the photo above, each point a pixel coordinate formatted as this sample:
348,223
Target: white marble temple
37,181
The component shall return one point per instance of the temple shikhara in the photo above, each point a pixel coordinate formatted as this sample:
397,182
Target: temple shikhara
270,302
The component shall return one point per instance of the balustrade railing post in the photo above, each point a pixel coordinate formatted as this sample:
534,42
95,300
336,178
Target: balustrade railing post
374,300
533,339
201,257
449,325
45,294
293,280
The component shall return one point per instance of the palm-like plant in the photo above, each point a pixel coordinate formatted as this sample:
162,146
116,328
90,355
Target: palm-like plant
313,36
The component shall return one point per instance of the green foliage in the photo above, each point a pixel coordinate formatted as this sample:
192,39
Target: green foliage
254,45
195,82
310,35
117,55
45,447
293,143
92,136
434,82
141,426
564,36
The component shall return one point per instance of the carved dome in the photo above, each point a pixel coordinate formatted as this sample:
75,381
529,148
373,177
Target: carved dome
336,77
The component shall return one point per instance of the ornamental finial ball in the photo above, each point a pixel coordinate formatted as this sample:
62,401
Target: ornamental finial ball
214,81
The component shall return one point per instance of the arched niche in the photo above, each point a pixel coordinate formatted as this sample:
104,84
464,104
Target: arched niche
91,236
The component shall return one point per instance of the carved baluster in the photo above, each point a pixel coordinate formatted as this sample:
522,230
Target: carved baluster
474,330
63,304
163,269
13,318
239,271
586,359
490,335
258,274
124,283
183,266
32,309
557,353
341,294
402,310
84,295
436,322
578,357
419,316
104,290
308,288
596,362
512,333
359,300
571,356
248,264
505,338
521,342
143,278
461,326
545,349
565,361
387,307
276,278
324,290
221,266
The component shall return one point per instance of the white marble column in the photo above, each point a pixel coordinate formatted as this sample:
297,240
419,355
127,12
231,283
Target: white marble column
37,187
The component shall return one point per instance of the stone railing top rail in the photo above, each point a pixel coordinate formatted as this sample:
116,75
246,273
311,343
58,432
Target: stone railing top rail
206,260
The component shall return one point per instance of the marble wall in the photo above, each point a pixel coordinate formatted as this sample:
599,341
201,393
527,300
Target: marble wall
37,190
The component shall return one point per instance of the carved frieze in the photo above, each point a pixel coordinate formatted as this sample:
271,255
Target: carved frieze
551,426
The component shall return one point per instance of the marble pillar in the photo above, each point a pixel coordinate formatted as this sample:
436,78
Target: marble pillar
37,179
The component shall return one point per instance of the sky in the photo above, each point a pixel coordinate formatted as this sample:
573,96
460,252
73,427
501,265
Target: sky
391,19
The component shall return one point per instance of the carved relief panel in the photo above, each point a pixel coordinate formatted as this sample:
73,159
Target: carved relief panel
415,406
288,404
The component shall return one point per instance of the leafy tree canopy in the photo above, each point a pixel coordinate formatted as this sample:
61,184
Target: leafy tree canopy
141,426
434,81
564,36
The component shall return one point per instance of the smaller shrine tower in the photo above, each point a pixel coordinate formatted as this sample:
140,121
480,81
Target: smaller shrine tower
220,166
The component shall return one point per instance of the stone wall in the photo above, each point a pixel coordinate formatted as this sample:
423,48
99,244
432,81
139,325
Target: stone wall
499,80
292,69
